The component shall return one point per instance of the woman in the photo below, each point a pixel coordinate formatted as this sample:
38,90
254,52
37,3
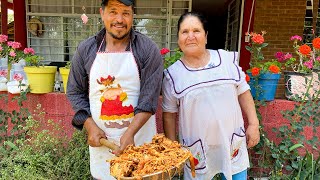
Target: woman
208,90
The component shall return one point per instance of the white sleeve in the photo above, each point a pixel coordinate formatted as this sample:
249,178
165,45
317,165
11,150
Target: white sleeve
242,85
169,102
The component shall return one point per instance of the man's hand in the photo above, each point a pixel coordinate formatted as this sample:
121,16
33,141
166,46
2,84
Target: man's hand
126,139
253,135
94,132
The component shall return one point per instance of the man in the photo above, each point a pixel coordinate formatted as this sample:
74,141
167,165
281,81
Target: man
114,85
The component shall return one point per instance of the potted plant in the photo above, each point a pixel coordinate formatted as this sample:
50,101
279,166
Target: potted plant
3,62
64,71
298,73
264,75
41,78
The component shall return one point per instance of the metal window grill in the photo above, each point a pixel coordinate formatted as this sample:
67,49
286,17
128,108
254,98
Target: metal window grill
63,29
307,30
233,23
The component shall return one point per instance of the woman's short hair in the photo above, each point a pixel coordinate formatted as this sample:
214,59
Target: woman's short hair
200,16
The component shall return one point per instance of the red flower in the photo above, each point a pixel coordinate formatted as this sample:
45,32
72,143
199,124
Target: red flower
247,78
257,38
274,69
304,49
255,71
316,43
164,51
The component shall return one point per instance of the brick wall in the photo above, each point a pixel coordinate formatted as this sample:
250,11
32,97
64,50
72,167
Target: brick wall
281,19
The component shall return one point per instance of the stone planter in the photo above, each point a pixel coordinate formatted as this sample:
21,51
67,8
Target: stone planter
296,85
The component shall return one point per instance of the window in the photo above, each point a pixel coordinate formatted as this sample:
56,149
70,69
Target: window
63,29
307,30
233,23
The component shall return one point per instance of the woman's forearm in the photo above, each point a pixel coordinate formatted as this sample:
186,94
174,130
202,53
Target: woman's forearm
247,106
169,125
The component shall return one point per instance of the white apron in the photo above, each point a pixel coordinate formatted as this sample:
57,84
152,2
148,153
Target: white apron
114,92
210,118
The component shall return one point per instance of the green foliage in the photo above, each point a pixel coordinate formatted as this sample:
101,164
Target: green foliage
169,60
33,60
68,65
46,154
39,149
283,160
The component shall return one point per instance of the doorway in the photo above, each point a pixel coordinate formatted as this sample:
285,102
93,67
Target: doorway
224,22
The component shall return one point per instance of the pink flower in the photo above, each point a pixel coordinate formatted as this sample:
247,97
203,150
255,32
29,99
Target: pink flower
3,38
84,18
280,56
15,45
12,54
287,56
4,72
318,58
296,38
9,43
18,77
28,51
309,64
164,51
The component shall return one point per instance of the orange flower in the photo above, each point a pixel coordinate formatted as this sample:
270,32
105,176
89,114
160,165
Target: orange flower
255,71
257,38
316,43
274,69
304,49
247,78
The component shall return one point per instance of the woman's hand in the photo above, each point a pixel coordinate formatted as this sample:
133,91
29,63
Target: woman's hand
94,132
252,135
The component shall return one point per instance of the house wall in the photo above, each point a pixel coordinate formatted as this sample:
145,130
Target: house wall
281,19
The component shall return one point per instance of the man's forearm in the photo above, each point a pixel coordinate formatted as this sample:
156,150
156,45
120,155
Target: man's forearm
138,121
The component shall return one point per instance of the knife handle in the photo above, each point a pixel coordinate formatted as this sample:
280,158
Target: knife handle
109,144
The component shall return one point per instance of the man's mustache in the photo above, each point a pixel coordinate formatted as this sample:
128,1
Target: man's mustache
118,24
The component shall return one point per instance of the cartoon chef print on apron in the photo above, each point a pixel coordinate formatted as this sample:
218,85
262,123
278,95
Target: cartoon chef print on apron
114,92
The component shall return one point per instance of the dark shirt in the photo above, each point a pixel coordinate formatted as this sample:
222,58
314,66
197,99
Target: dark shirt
150,65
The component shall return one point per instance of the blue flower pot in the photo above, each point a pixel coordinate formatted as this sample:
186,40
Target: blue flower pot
264,86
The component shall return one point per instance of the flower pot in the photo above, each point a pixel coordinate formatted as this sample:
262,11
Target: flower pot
41,79
296,84
265,88
64,74
17,74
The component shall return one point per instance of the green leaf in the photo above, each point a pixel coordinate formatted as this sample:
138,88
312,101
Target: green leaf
295,147
248,48
11,145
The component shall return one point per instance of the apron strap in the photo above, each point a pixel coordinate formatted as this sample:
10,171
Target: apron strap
101,43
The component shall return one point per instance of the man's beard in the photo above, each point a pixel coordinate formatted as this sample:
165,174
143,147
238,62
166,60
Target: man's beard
117,37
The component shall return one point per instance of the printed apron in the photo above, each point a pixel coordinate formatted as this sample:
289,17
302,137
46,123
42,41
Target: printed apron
114,92
210,117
